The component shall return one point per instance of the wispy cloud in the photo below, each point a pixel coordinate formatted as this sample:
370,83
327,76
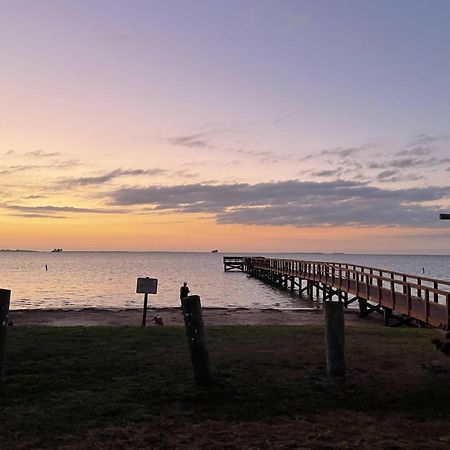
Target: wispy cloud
104,178
338,153
424,139
407,163
191,140
17,168
327,173
415,151
50,209
37,154
387,174
39,216
41,154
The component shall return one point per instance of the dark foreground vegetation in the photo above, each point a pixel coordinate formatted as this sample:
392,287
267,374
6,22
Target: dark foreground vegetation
108,388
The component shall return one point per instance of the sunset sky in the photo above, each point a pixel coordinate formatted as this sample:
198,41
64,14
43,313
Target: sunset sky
257,125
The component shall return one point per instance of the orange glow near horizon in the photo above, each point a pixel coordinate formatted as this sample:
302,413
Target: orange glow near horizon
181,233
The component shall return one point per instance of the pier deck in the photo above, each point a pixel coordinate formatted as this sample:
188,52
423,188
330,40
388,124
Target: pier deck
402,298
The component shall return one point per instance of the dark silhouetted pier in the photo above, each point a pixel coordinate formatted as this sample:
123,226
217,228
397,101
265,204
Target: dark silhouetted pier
400,297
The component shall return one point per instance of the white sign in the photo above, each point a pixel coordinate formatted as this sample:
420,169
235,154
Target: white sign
147,285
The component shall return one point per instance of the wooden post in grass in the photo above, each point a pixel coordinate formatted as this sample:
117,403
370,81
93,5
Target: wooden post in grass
5,296
335,338
195,332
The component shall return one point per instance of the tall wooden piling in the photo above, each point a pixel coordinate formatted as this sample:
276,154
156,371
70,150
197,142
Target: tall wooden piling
335,338
195,332
5,296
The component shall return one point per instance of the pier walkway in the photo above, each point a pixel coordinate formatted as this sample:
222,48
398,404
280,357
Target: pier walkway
400,297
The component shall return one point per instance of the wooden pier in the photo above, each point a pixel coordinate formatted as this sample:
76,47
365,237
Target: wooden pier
400,297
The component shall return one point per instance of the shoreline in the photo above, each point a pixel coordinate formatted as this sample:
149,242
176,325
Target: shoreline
171,316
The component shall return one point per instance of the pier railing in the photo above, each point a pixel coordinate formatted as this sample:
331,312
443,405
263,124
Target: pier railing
422,298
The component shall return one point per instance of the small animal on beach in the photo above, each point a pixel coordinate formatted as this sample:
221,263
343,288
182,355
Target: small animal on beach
158,321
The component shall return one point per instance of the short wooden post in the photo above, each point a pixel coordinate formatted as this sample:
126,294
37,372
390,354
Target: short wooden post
144,313
335,338
5,296
193,322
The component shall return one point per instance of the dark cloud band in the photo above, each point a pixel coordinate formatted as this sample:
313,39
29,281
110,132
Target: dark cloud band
293,202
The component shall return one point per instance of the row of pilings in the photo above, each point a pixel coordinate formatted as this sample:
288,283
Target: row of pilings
309,289
313,290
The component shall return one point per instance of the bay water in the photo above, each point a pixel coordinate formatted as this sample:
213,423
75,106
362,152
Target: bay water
76,280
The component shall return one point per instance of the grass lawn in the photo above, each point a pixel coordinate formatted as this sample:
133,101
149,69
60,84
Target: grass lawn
128,387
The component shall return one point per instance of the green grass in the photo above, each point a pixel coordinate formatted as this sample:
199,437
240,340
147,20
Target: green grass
62,383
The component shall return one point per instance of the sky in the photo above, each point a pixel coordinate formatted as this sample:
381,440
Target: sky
250,125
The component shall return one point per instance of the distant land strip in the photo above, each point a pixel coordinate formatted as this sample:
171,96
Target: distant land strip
15,250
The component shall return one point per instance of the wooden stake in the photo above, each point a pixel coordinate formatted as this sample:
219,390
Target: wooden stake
335,338
193,322
5,296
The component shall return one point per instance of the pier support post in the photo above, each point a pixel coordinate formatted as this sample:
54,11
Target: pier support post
335,338
327,293
195,332
346,299
5,296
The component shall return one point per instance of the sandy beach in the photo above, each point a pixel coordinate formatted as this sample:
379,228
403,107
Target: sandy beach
172,316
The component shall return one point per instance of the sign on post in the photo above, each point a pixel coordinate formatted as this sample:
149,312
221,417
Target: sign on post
146,286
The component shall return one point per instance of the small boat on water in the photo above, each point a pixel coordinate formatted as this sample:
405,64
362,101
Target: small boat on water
215,251
57,250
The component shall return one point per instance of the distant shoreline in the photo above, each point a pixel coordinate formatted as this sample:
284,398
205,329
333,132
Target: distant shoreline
231,253
17,250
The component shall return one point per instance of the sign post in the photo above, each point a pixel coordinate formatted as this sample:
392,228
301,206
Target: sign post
146,286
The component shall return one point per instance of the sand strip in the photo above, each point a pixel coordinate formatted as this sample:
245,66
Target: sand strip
172,316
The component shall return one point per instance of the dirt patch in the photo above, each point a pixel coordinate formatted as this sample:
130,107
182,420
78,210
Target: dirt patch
332,430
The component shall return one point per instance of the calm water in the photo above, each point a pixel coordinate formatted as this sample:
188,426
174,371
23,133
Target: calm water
108,279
